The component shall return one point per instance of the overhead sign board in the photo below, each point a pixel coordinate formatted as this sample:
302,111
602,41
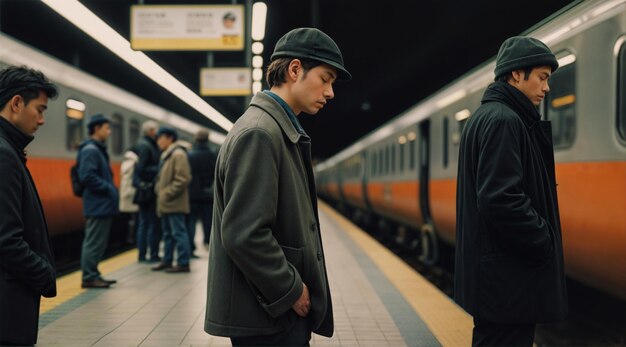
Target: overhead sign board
226,81
187,27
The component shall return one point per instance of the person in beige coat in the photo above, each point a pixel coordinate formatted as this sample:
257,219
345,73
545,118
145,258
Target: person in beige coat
173,200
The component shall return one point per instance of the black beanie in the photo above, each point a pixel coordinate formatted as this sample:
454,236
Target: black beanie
519,52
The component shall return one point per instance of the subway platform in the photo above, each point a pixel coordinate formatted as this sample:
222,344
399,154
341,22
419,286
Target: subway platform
377,300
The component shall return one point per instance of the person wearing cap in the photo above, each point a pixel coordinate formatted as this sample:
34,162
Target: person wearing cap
27,270
172,189
202,163
509,255
100,199
267,280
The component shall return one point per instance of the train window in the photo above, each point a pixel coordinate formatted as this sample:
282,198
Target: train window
561,101
388,160
134,131
373,160
380,162
445,142
621,89
402,142
411,138
393,157
117,133
74,113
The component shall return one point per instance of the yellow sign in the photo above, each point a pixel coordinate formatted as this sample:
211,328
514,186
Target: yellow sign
227,81
187,27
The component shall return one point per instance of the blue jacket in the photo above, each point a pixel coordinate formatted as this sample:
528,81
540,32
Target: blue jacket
100,198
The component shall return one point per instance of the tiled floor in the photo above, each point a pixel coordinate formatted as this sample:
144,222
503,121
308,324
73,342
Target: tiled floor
156,309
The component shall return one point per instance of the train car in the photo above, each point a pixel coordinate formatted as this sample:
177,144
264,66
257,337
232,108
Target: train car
54,149
408,166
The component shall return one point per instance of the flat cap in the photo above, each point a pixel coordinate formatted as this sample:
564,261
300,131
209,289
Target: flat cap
166,130
519,52
311,43
97,119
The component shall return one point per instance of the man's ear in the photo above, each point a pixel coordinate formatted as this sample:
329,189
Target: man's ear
294,67
15,102
518,75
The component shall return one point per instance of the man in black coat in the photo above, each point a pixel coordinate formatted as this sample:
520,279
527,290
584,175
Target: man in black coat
509,255
26,261
202,162
144,177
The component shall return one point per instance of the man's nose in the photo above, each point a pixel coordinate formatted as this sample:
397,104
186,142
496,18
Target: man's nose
329,93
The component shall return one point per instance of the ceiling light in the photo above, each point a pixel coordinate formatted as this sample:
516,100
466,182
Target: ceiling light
259,12
91,24
257,74
257,61
257,48
256,87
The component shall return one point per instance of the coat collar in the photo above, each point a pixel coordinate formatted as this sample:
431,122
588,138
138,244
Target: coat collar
273,108
18,139
505,93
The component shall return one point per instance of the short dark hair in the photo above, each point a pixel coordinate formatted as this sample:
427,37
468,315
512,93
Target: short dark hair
507,76
25,82
91,129
275,75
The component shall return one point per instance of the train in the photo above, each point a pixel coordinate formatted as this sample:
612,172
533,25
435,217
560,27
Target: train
403,174
54,149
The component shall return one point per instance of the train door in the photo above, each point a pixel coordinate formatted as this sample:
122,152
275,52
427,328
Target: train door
430,253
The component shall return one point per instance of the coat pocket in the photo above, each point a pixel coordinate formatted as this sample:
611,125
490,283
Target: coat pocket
506,289
295,256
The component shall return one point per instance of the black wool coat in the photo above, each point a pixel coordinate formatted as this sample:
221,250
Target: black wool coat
509,253
26,261
202,162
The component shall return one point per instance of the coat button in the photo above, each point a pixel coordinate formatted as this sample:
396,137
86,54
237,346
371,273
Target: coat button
319,255
313,228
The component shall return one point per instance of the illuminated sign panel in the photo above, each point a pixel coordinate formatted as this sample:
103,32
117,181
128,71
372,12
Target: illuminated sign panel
187,27
225,81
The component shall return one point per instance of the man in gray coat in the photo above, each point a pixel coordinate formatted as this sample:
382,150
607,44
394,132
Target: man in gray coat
267,281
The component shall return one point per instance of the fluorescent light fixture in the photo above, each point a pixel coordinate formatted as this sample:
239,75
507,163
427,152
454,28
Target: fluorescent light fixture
87,21
257,48
450,98
75,105
566,60
259,13
462,115
257,61
256,87
257,75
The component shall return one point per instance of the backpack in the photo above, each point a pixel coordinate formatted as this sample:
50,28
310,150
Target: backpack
77,186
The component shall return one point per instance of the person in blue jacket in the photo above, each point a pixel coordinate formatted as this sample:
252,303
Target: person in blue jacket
100,199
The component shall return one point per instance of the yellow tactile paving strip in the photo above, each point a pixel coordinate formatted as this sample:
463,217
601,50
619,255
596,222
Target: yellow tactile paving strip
68,286
448,322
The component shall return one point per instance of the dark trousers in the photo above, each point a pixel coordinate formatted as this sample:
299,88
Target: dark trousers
203,211
148,232
297,333
496,334
94,244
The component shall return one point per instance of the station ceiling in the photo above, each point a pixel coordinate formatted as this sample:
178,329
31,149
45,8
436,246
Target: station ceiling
398,52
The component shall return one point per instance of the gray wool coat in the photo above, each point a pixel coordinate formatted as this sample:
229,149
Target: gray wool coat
265,241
